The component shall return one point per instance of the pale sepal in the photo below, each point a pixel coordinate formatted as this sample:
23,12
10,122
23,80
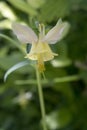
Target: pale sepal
57,32
24,34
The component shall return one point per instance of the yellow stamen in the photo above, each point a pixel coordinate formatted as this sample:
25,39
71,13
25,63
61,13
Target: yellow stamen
41,66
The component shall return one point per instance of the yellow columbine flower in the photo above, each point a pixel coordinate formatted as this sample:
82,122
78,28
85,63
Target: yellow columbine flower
40,49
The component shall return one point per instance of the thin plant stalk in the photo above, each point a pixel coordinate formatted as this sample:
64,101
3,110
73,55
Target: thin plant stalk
42,105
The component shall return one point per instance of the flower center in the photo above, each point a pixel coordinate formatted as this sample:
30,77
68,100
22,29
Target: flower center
41,51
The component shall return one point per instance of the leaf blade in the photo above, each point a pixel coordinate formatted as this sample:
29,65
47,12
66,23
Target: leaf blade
15,67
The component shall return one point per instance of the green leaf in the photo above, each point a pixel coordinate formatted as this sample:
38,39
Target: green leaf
6,11
56,80
7,61
13,42
5,24
23,6
15,67
54,9
36,3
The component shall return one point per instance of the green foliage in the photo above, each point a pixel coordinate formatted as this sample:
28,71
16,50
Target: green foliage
23,6
54,9
15,67
65,91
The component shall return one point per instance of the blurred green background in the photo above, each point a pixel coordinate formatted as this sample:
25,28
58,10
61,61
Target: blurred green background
65,94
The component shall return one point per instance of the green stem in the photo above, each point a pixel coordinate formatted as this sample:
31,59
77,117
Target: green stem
42,106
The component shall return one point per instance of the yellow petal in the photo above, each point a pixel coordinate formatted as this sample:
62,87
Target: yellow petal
43,49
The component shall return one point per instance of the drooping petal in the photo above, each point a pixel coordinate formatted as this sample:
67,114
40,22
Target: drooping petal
24,34
57,32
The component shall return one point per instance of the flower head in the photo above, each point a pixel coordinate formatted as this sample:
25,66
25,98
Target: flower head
40,49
